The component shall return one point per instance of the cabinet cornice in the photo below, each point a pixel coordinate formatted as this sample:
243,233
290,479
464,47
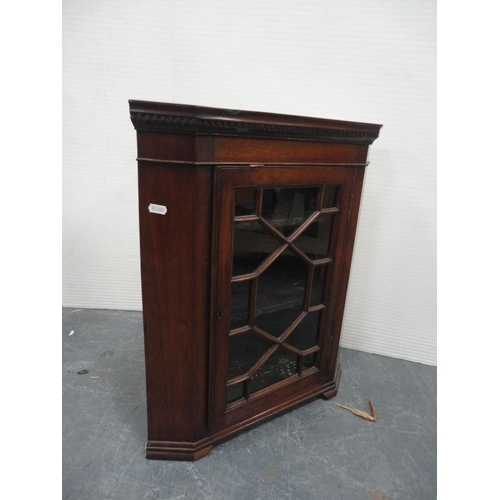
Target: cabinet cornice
196,120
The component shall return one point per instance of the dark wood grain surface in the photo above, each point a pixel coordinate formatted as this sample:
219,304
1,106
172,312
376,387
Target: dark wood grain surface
190,160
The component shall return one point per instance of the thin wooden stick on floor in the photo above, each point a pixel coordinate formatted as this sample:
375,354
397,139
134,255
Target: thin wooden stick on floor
359,413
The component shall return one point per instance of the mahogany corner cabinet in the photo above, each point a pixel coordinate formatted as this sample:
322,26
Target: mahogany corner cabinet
247,226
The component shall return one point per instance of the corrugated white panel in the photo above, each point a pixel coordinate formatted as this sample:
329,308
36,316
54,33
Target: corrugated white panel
349,59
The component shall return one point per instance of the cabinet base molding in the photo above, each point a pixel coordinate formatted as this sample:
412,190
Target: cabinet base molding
185,451
167,450
333,392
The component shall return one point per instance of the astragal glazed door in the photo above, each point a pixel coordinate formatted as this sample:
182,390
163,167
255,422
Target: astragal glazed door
279,239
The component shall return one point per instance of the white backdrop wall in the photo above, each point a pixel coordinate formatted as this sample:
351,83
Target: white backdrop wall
358,60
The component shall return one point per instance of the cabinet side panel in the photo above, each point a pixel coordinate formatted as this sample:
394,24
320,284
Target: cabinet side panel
159,146
346,266
171,147
175,277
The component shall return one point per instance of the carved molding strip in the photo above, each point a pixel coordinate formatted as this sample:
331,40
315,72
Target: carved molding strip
210,126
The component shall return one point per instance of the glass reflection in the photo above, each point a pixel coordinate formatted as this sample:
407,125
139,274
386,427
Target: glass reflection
240,299
234,392
280,366
318,285
305,335
330,195
287,209
251,246
244,201
315,240
280,294
274,286
245,349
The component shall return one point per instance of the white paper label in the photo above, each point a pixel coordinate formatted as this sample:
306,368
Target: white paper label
157,209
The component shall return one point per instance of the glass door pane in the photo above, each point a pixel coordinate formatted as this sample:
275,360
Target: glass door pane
281,238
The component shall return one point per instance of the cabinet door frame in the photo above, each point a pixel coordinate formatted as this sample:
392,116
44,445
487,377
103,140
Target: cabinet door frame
227,178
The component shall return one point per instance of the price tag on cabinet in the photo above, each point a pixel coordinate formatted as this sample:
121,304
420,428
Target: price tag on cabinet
157,209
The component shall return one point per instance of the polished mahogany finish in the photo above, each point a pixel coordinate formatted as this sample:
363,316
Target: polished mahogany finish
247,226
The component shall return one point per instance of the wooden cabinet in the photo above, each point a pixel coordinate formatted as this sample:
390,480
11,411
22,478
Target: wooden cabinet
247,225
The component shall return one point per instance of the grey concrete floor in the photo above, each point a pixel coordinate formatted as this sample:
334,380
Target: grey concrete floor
318,451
